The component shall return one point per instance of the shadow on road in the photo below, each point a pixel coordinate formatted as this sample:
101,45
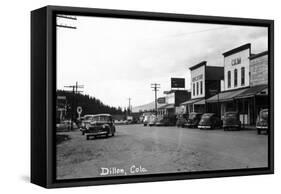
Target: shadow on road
61,138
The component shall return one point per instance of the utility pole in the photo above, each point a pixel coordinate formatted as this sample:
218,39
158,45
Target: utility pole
74,104
155,87
129,112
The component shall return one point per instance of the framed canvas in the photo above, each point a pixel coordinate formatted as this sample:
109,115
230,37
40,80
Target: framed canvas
127,96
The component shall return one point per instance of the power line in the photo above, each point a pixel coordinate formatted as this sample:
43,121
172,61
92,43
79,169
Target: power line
155,88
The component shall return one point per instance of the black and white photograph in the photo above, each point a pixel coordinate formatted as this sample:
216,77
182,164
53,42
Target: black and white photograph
144,97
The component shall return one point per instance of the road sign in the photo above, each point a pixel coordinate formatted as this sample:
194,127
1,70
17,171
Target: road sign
79,111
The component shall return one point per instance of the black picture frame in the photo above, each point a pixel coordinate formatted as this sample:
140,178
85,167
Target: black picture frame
43,95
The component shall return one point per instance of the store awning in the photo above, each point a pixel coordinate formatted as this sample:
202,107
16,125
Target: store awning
166,106
192,101
200,102
225,96
253,91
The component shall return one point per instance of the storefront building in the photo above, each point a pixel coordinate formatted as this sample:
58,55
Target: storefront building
244,89
205,82
173,99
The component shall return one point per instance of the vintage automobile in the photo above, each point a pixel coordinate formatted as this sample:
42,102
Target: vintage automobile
181,120
231,121
145,120
167,121
193,120
86,119
152,120
262,121
209,121
100,124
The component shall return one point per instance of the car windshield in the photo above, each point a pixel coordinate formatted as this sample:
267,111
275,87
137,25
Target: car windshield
101,118
192,116
232,115
206,116
264,114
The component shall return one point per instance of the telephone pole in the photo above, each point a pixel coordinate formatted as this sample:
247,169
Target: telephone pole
74,100
129,111
155,87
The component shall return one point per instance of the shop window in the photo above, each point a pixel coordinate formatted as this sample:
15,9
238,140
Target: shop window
201,87
228,79
193,89
242,76
235,78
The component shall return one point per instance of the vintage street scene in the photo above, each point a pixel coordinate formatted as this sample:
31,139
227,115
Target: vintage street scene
139,97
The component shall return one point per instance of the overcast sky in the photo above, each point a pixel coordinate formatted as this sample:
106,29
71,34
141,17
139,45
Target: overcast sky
119,58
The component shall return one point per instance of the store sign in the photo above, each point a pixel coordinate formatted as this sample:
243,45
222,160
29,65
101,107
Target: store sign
161,100
177,82
236,61
198,77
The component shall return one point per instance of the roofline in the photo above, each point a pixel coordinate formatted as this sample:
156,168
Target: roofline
237,49
258,55
104,114
198,65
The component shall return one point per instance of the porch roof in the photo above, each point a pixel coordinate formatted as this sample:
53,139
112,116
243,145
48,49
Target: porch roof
252,91
192,101
200,102
225,96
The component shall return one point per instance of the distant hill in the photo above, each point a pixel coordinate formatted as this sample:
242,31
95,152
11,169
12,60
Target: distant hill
89,104
146,107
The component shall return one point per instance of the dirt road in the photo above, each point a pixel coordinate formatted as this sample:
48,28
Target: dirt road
140,150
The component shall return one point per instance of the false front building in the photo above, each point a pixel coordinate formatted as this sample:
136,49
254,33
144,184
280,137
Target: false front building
244,89
205,82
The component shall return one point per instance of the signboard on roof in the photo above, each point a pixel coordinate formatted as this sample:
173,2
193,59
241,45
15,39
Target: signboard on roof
161,100
177,82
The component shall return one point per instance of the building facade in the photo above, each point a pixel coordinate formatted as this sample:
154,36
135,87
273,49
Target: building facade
173,100
259,69
244,89
205,82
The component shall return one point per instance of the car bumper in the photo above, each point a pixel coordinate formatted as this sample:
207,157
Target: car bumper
234,126
262,127
204,127
97,133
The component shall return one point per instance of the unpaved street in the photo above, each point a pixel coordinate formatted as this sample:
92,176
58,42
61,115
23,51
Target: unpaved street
137,149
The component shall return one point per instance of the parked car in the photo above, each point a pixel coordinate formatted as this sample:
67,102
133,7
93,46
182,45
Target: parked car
193,120
120,122
181,120
262,121
146,120
152,120
209,121
100,124
167,121
231,121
